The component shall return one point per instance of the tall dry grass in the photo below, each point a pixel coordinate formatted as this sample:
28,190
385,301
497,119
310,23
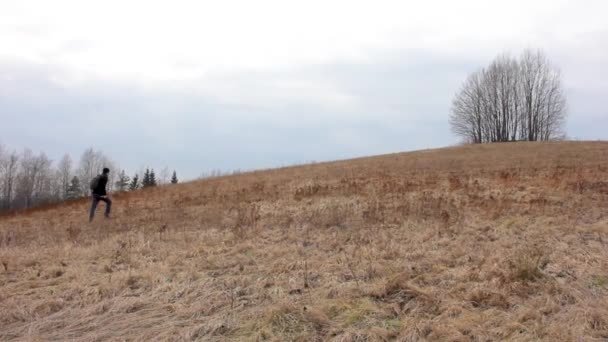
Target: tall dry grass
491,242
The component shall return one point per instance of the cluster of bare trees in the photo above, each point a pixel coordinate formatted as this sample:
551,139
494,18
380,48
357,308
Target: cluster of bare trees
512,99
28,179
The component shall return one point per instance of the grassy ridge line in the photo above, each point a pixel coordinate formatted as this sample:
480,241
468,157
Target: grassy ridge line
442,153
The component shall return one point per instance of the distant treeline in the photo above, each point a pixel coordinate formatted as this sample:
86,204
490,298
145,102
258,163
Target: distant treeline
28,179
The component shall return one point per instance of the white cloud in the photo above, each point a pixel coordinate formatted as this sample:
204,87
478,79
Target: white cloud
154,40
240,84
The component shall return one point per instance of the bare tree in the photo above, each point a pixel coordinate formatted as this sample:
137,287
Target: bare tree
44,186
64,174
114,172
511,100
33,180
8,173
466,118
91,164
163,177
544,106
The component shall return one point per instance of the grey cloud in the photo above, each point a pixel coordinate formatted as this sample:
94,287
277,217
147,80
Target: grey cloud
254,119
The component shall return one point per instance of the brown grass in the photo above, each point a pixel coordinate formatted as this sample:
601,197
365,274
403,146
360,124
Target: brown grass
473,243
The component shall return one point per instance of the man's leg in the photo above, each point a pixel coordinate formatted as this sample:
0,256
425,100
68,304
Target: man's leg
108,206
93,207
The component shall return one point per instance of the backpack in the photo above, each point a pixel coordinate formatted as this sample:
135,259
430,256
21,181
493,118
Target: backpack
94,183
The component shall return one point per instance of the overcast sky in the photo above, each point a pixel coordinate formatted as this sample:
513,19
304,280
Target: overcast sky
199,85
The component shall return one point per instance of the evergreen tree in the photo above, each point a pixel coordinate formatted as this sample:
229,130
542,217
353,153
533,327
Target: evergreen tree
134,183
146,180
152,178
123,181
74,190
174,178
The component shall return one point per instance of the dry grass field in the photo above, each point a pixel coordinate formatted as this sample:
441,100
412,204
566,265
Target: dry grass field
473,243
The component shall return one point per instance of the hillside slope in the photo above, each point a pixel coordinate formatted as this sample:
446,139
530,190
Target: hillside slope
473,243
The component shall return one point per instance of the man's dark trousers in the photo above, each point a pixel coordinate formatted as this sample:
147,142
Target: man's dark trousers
96,199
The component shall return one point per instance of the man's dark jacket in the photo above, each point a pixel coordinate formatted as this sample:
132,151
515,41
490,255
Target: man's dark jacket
100,189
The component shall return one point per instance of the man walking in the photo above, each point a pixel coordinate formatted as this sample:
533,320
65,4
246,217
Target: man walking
98,189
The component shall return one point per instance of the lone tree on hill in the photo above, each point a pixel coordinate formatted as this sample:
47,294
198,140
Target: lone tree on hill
511,100
174,178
